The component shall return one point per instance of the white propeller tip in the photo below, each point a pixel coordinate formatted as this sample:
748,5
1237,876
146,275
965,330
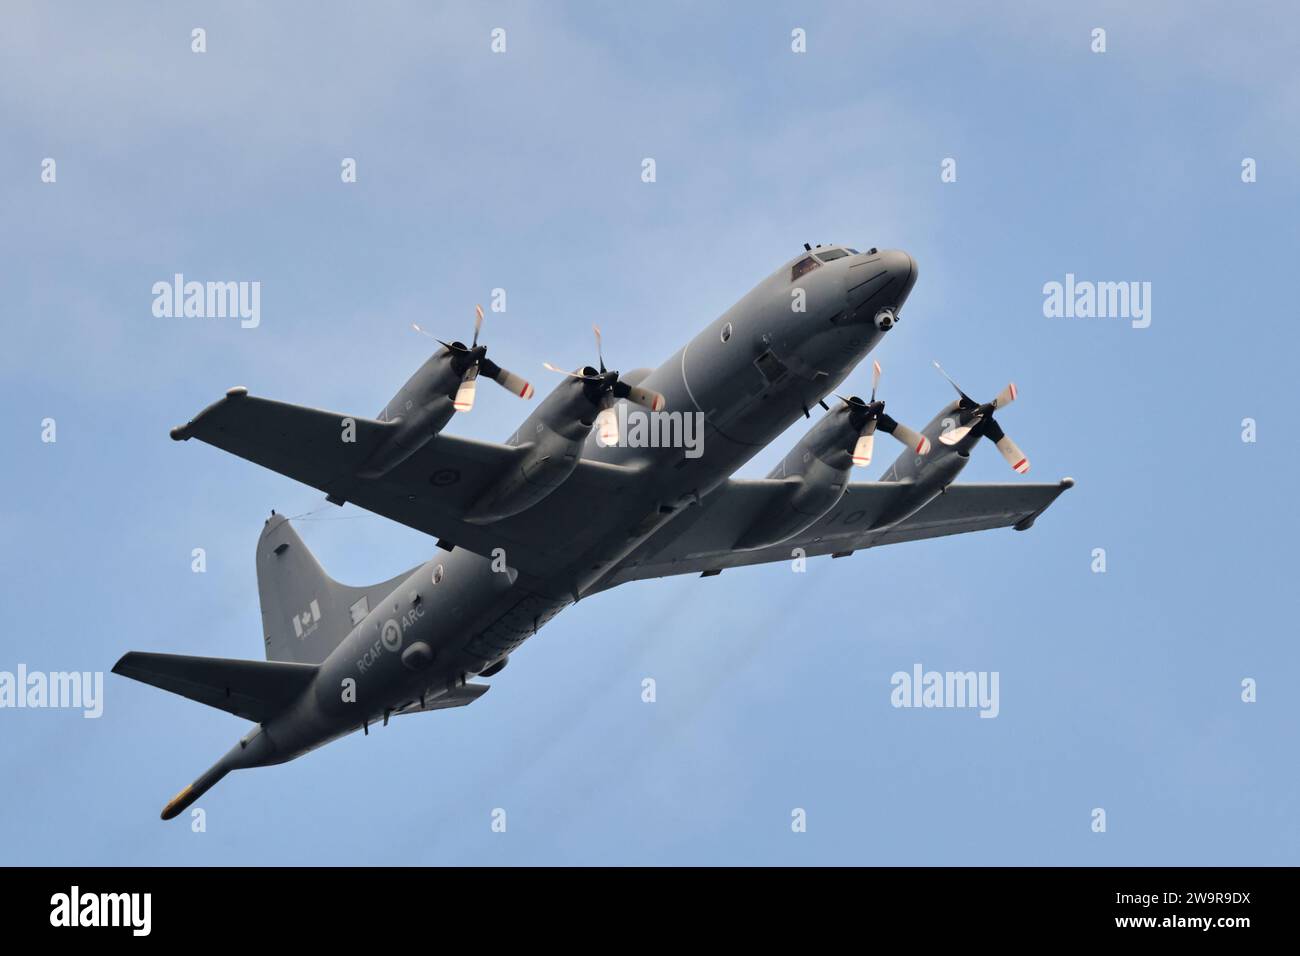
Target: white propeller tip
862,451
607,428
1022,466
464,399
923,448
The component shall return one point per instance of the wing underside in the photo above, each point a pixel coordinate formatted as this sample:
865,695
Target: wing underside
430,491
460,697
704,543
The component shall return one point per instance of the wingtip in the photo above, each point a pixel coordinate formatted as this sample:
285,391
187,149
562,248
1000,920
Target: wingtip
186,431
1067,483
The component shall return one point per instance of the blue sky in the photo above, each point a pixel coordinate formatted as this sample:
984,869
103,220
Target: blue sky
522,170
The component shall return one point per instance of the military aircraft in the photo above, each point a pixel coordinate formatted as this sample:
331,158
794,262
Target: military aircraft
568,507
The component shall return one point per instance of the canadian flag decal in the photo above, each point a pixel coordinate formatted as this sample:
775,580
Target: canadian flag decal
305,623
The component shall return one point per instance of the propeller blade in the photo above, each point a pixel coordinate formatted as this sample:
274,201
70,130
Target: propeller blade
1014,456
478,324
955,435
863,449
913,440
464,400
875,378
445,345
607,427
600,356
507,380
644,396
551,368
952,383
1006,396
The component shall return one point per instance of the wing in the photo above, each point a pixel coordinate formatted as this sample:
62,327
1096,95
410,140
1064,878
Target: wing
703,542
429,491
459,697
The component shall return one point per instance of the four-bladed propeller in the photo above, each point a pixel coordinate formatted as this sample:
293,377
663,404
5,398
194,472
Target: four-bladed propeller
603,388
472,361
978,418
866,417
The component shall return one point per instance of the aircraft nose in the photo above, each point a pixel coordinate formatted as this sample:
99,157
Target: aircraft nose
881,280
902,272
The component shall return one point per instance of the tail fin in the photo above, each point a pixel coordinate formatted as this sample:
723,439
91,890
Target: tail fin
305,612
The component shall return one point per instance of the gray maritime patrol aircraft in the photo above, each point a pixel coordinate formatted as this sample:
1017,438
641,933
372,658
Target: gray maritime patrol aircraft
570,506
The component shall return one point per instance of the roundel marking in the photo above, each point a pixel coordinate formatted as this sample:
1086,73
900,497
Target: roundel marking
392,635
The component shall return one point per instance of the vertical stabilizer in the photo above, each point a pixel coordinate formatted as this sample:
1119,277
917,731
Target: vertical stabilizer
305,612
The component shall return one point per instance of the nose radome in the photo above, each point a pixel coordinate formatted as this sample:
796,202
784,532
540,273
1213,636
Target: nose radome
902,270
880,280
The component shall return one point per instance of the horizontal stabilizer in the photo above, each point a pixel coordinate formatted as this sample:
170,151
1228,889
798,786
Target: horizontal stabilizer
254,690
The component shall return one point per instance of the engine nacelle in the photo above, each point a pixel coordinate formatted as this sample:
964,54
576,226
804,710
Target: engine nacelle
922,478
550,444
420,409
816,472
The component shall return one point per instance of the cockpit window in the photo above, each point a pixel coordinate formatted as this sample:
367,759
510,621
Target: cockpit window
829,254
803,267
855,252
